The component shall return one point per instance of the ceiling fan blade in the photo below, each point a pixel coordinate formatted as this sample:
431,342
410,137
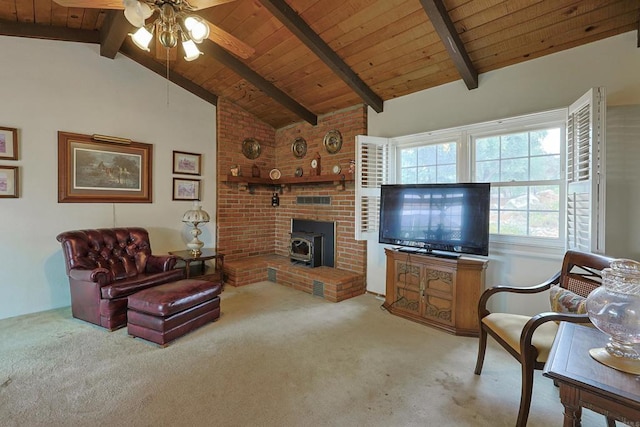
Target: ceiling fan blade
229,42
92,4
118,4
203,4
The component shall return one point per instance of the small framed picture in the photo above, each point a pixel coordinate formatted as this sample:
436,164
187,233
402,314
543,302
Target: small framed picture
186,189
187,163
9,181
8,143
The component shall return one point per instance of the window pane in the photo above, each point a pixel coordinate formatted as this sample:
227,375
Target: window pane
447,173
544,224
545,168
488,148
513,223
515,170
427,155
426,175
488,171
545,197
514,198
545,142
446,153
493,222
515,145
495,197
408,176
408,157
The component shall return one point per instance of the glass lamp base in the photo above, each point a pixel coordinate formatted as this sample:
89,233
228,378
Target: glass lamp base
631,366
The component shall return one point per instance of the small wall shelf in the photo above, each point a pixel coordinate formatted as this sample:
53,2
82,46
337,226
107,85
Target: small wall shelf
338,180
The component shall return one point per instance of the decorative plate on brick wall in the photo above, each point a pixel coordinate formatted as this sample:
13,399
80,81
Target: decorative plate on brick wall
251,148
299,147
333,141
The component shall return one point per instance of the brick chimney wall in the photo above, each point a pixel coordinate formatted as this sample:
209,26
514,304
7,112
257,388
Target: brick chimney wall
246,220
247,223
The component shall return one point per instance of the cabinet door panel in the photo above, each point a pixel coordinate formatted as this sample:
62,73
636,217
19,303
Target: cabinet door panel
439,309
407,287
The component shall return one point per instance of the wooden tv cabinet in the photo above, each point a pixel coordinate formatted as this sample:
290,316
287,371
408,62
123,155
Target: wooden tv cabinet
439,292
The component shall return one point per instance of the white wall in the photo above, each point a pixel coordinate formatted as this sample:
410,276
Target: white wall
554,81
51,86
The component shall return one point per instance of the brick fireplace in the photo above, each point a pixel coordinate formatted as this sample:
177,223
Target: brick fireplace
248,226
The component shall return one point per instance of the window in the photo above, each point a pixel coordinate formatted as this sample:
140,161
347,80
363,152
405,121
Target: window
535,199
525,172
435,163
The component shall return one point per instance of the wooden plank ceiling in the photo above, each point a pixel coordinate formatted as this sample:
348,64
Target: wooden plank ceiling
312,57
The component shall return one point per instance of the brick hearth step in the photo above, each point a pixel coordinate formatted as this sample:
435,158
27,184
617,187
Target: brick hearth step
333,284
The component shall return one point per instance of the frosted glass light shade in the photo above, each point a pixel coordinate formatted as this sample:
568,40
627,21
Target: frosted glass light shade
198,29
191,51
142,38
136,12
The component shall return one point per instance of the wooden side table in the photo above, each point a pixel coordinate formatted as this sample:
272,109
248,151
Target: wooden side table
206,254
587,383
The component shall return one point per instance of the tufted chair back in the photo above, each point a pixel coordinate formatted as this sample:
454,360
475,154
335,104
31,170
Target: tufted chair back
121,251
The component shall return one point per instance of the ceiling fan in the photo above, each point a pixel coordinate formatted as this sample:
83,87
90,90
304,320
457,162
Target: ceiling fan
173,21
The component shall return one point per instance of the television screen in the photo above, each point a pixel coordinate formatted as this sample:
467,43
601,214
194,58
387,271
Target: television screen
442,217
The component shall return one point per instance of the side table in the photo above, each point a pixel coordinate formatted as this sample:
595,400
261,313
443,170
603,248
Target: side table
206,254
586,383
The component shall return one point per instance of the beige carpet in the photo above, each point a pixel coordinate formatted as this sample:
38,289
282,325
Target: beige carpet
276,357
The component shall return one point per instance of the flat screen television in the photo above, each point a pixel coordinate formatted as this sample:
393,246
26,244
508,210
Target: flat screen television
445,219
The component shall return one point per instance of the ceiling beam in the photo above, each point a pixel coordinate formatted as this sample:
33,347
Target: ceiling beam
228,60
290,19
48,32
113,32
441,21
135,54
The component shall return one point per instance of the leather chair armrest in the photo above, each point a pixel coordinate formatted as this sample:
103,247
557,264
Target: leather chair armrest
101,276
158,263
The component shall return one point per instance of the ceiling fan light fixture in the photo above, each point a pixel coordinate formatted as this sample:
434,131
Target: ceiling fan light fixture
168,39
142,38
197,28
191,51
137,12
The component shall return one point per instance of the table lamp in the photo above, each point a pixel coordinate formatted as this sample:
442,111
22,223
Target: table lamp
195,217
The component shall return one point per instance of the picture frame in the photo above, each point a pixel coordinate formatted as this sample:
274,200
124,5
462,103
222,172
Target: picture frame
186,189
187,163
94,171
9,179
8,143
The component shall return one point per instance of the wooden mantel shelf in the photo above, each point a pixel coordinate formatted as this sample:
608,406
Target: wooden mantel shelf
337,179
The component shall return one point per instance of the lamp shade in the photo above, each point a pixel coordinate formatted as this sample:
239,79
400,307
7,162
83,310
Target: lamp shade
195,215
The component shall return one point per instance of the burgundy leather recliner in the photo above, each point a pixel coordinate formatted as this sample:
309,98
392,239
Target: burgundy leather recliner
107,265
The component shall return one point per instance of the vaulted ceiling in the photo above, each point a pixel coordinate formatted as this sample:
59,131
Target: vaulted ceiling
305,58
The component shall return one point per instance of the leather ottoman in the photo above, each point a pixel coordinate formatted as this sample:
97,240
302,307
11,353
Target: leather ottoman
163,313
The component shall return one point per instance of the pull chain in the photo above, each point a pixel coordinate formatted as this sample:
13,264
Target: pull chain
167,76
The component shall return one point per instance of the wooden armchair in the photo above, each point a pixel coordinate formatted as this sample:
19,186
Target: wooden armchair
529,339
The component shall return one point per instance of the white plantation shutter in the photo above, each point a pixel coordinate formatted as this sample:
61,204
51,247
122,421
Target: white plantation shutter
586,172
374,167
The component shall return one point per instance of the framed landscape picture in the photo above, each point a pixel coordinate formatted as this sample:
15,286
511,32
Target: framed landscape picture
8,143
186,189
9,181
91,171
187,163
